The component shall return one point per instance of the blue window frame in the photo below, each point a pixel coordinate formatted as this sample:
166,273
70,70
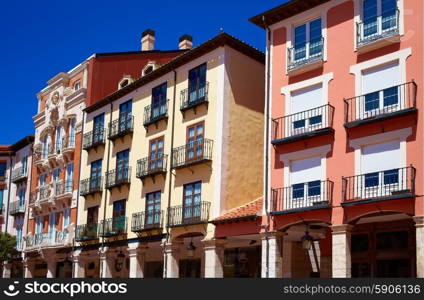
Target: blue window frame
314,188
315,120
298,190
299,124
370,12
159,100
315,36
391,176
300,41
372,101
390,96
388,15
372,180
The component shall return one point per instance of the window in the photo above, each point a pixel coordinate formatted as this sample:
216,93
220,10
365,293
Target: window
19,238
45,148
3,167
77,86
69,177
42,178
197,83
56,175
24,165
381,89
156,154
21,197
122,164
38,224
159,100
308,40
52,226
72,133
118,222
98,128
66,217
58,145
125,116
192,200
195,137
305,176
392,240
379,16
153,214
92,215
96,174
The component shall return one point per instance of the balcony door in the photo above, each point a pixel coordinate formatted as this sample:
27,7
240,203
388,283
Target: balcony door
125,116
122,165
53,220
92,220
96,174
118,221
153,209
192,202
195,140
156,154
197,83
69,177
308,40
159,101
98,128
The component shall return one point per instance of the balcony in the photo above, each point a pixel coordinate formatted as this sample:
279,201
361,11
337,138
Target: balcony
44,194
121,127
147,220
17,208
153,114
91,186
48,240
118,177
381,105
182,215
68,147
19,175
305,57
113,227
303,125
194,153
379,186
303,196
86,232
151,166
191,98
93,139
63,190
378,31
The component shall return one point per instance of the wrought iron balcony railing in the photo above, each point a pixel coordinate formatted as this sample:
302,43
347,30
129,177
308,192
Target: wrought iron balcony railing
121,127
147,220
17,208
388,184
314,194
151,166
380,104
118,177
155,113
305,53
196,152
63,188
48,239
303,123
86,232
91,186
194,96
377,28
19,174
93,139
181,215
113,227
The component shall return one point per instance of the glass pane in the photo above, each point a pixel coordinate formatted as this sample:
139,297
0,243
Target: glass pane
315,30
314,188
371,179
372,101
390,96
298,190
391,176
315,120
299,124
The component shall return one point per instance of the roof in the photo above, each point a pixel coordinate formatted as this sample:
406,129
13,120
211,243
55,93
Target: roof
284,11
218,41
247,211
18,145
149,52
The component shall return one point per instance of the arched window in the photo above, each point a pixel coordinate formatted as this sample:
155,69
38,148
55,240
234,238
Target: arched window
77,86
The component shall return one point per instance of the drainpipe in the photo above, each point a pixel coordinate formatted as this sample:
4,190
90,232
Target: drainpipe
9,187
267,120
170,170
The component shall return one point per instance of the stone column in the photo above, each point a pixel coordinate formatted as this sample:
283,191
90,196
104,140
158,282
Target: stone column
105,271
341,258
29,268
51,267
78,265
271,255
287,258
137,256
171,257
7,269
214,258
419,235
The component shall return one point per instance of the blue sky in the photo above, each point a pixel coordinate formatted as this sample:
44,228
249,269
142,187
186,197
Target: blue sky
43,38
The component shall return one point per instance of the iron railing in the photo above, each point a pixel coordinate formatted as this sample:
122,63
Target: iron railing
146,220
113,227
91,186
154,113
393,183
377,28
193,153
68,142
194,96
121,127
44,193
118,177
93,139
305,53
180,215
302,196
86,232
47,239
62,188
151,166
303,122
19,174
16,208
380,103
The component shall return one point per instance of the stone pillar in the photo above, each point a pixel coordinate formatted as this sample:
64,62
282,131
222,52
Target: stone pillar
105,271
419,235
29,268
78,265
271,255
341,258
137,256
214,258
287,258
51,267
7,270
171,257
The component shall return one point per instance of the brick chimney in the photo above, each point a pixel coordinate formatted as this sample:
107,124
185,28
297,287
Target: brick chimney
148,40
185,42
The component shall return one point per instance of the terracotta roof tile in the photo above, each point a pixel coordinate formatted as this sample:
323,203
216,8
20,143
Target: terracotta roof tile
250,209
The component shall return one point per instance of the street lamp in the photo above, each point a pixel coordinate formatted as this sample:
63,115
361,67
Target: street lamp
190,249
307,240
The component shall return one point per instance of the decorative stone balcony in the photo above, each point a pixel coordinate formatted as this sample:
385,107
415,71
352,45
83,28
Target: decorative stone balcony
55,239
19,175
